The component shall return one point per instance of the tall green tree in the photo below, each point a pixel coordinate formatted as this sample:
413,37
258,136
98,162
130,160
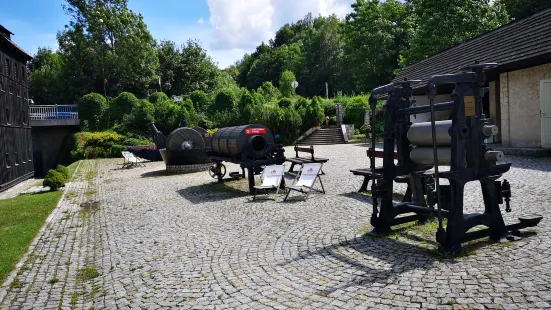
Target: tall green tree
285,84
105,40
442,24
196,70
519,9
376,32
169,62
46,83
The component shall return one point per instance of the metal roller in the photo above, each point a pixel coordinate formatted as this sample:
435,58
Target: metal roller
421,134
494,156
425,156
184,139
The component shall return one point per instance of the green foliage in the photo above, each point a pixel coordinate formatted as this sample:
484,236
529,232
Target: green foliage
105,40
246,106
302,103
314,113
91,109
285,103
200,100
290,125
354,111
88,145
523,8
329,107
54,180
122,105
285,87
269,92
376,33
442,24
63,170
157,97
141,115
224,101
45,82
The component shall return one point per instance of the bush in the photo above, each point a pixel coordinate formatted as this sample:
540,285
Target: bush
54,180
269,92
285,103
246,106
63,170
224,101
314,113
200,100
91,111
290,125
285,87
302,103
329,107
137,120
354,112
95,145
157,97
122,105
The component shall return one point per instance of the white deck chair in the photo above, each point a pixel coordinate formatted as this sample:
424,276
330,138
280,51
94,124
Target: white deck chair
307,177
129,160
271,179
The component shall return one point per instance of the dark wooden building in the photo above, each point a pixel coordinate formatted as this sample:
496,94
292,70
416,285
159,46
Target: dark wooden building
15,132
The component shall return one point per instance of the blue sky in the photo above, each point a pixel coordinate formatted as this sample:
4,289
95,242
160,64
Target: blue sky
227,29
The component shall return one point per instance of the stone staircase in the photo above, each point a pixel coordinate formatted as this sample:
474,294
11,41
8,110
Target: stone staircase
324,136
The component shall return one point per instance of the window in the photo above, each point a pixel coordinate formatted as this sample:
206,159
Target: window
16,159
29,154
8,67
7,116
15,71
2,89
8,160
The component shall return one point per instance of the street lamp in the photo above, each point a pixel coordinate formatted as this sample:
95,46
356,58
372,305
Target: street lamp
103,58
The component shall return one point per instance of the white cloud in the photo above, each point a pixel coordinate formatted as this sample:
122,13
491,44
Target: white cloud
237,27
244,24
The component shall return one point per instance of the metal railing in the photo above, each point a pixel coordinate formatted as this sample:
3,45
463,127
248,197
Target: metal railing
45,112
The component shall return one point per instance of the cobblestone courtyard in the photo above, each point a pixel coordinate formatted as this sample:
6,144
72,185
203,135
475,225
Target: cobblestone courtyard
183,241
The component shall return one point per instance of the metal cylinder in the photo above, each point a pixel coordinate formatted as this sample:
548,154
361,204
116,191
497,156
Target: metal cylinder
424,156
231,141
420,134
494,156
490,130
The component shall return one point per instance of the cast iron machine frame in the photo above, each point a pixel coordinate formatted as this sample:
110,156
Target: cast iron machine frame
471,160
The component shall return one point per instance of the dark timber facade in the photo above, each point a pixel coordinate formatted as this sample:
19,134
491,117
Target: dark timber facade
15,132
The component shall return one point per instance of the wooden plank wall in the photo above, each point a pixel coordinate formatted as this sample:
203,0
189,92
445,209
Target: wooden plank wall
15,131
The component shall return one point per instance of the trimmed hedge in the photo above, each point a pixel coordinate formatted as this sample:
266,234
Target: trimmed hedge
54,180
63,170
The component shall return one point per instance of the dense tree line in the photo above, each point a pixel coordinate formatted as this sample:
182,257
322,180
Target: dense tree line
106,48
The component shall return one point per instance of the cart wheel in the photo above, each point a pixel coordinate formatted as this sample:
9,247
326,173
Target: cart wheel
214,174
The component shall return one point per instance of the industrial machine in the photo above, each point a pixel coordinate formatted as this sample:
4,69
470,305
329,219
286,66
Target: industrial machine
250,146
423,147
184,150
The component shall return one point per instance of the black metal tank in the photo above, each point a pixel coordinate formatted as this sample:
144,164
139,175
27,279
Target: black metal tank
235,141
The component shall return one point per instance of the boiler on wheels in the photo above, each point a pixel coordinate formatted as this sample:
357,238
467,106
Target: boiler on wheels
250,146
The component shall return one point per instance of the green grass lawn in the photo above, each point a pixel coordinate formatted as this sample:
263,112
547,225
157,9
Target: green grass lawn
20,220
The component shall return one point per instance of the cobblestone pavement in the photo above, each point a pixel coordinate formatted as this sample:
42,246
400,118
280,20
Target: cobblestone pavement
162,241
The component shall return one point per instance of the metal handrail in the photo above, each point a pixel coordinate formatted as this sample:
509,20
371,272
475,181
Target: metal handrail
45,112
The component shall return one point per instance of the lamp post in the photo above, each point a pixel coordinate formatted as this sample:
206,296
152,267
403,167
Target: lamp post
103,59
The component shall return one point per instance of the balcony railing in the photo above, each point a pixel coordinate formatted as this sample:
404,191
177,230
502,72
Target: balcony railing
46,112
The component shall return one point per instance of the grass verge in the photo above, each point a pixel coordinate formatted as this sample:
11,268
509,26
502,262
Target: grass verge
20,220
